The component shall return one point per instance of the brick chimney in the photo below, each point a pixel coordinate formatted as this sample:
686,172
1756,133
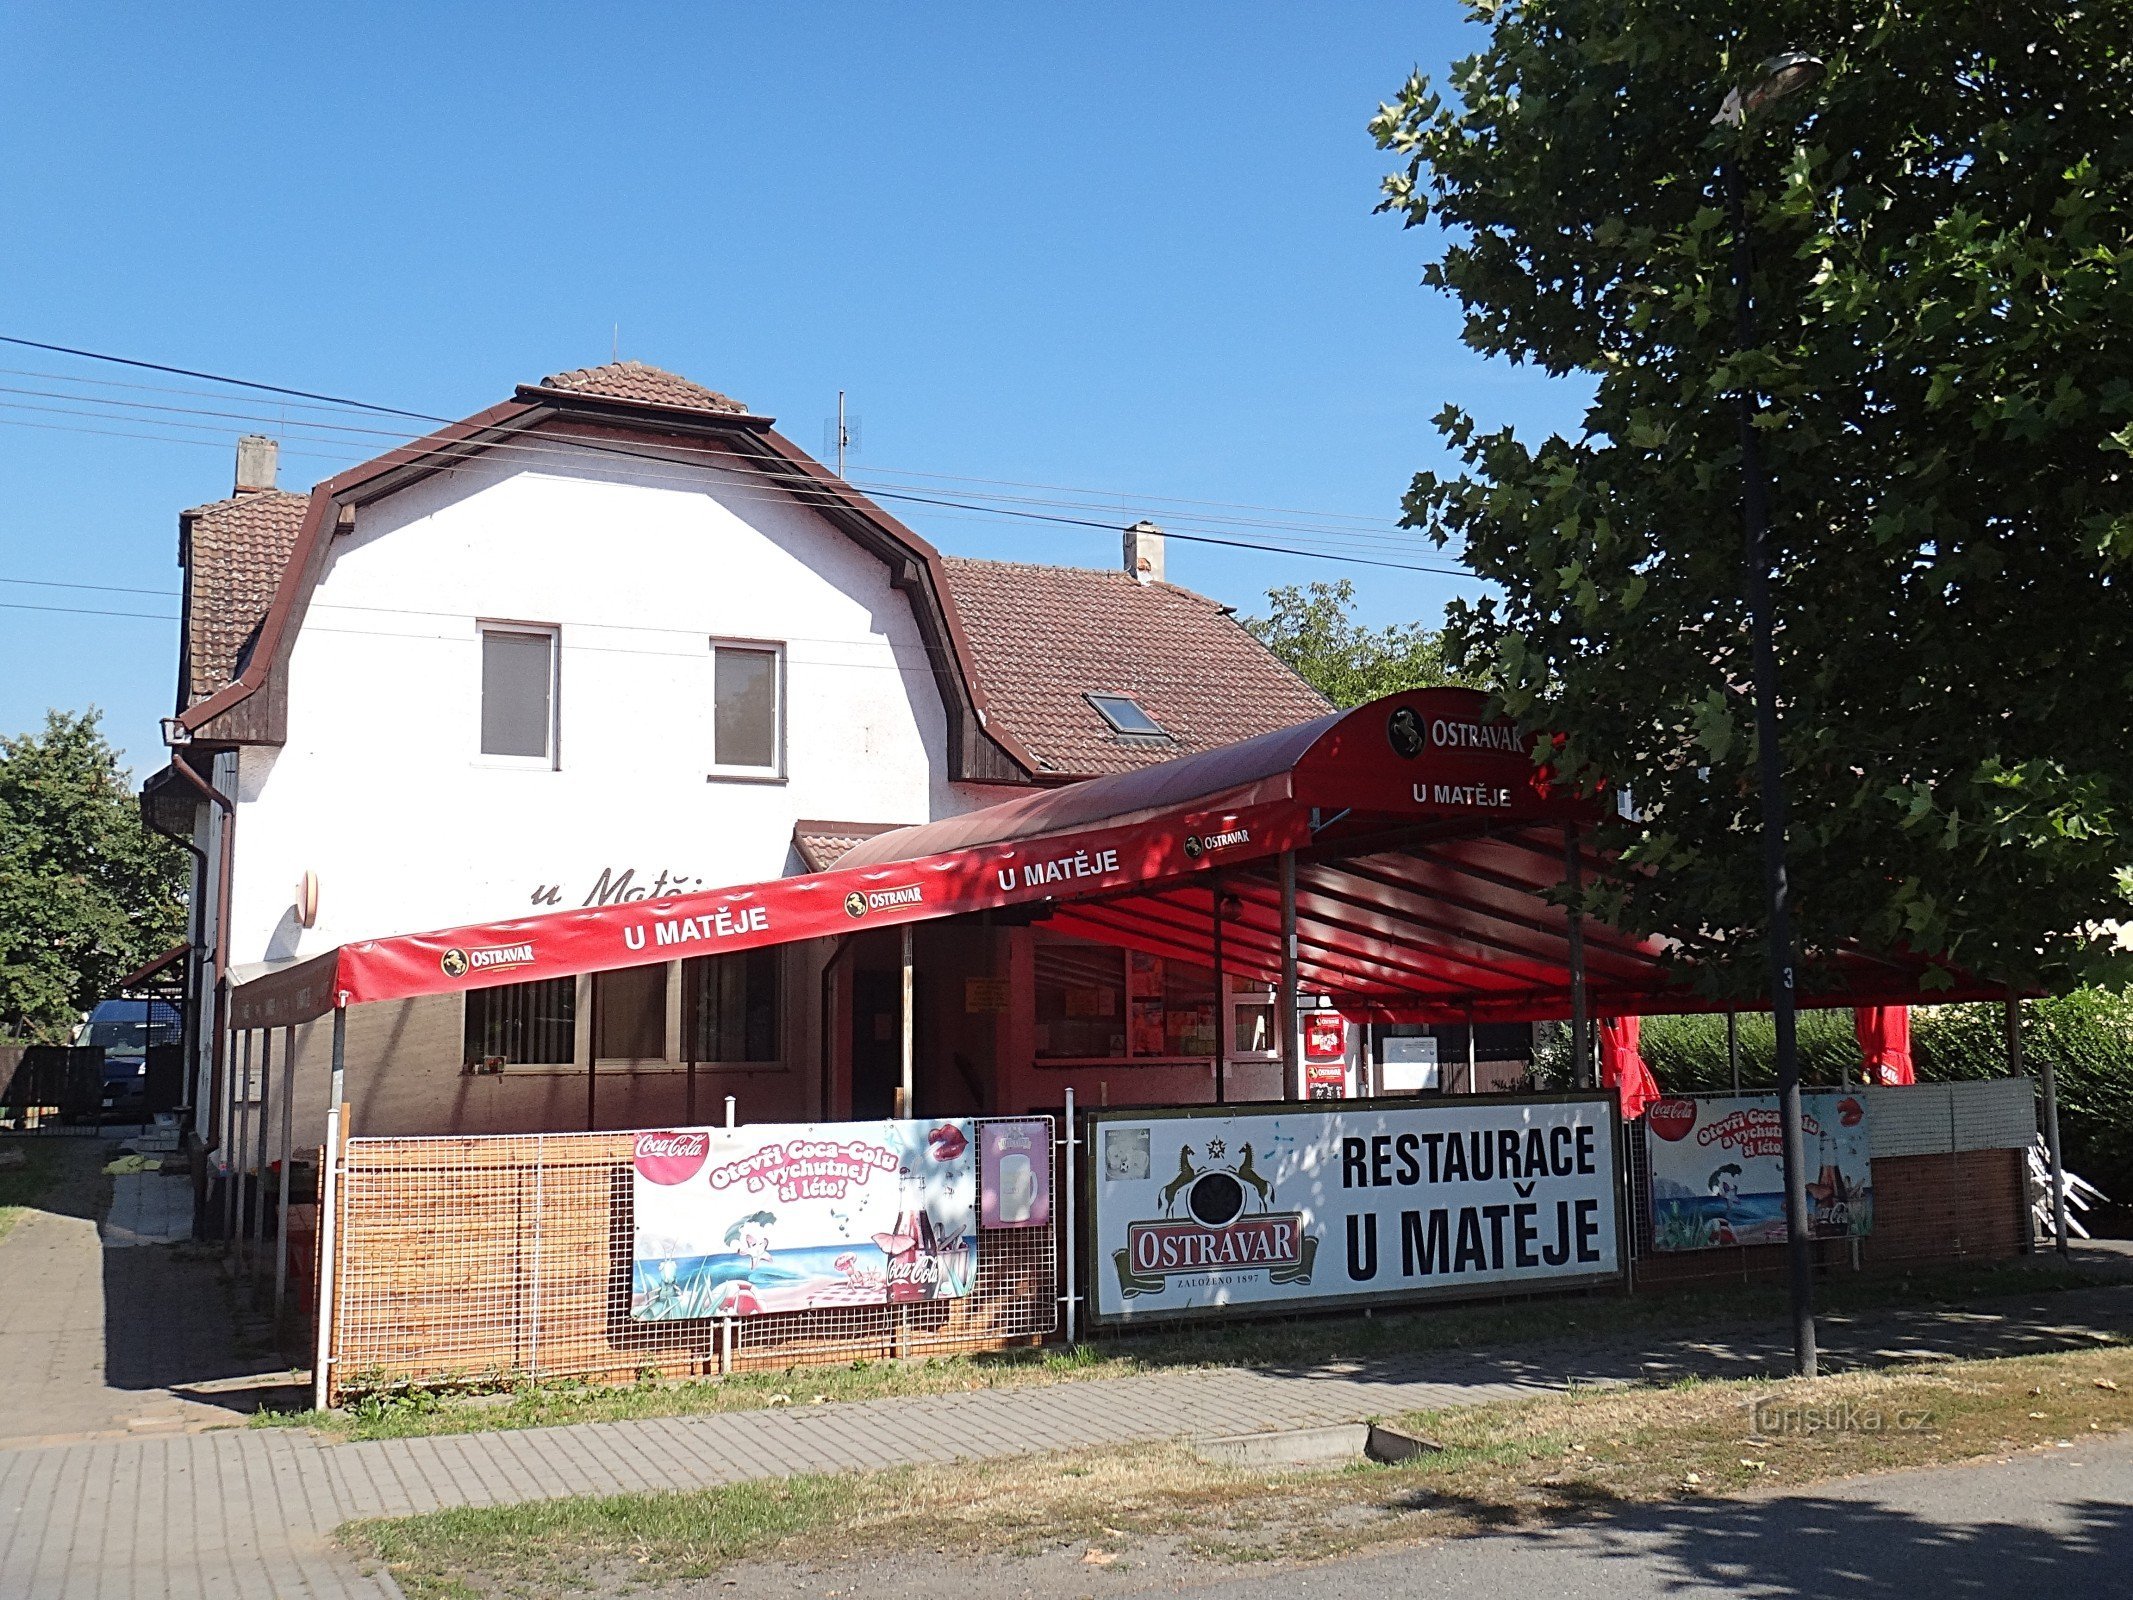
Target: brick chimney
258,458
1144,552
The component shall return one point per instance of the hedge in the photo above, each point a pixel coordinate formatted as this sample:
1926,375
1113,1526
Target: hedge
2086,1035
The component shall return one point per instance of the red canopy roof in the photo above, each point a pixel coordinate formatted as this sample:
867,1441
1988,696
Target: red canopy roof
1427,846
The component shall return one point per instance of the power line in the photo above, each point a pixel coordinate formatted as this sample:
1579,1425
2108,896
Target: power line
101,588
794,485
807,492
799,487
84,611
216,377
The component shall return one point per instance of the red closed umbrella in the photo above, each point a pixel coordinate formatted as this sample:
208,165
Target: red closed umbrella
1622,1068
1885,1044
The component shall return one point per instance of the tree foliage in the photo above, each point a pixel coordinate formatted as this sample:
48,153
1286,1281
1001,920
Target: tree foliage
86,892
1943,284
1314,632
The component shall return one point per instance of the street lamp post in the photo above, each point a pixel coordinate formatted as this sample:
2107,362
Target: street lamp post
1785,75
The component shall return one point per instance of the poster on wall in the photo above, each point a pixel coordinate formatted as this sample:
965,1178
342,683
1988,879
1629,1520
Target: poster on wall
1289,1209
1015,1174
1718,1169
740,1222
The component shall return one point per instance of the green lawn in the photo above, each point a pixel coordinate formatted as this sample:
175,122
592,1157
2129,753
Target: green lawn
23,1187
1581,1453
1297,1343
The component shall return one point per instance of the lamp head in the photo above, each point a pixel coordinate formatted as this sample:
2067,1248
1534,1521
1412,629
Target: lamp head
1780,77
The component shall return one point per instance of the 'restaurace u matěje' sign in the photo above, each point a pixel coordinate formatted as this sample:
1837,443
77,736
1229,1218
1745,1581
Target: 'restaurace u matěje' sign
1288,1208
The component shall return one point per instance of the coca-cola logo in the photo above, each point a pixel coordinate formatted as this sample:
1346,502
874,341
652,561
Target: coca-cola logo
1671,1118
671,1157
1849,1111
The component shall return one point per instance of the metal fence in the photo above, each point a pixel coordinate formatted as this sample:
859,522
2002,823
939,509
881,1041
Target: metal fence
508,1256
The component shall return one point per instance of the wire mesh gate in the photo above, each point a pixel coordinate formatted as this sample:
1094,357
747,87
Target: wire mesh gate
498,1257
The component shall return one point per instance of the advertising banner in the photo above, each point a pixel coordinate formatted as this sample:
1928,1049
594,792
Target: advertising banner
1286,1208
1015,1174
1718,1169
738,1222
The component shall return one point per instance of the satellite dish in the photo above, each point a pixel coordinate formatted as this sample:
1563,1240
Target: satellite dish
307,900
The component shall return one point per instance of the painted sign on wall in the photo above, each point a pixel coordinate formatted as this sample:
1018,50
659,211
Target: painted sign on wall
1718,1170
737,1222
1287,1208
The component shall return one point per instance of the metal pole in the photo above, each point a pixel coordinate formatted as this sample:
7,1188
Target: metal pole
729,1111
2048,1080
1285,1002
288,1151
692,995
1214,893
1733,1047
266,1111
233,1197
910,1034
1755,506
328,1202
1580,1016
1073,1134
540,1185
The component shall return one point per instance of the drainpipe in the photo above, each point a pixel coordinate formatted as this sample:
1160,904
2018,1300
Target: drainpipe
228,808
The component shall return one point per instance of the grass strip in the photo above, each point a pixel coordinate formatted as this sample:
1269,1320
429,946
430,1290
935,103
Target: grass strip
481,1403
23,1187
1578,1454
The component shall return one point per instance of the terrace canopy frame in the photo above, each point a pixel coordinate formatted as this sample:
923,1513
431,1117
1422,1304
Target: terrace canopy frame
1407,859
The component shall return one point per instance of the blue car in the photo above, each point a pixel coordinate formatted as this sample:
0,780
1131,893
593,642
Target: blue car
126,1028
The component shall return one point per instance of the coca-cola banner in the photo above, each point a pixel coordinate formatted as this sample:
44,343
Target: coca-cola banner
1285,1208
738,1222
1718,1168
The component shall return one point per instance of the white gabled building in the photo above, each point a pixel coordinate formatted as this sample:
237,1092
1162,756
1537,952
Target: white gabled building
612,638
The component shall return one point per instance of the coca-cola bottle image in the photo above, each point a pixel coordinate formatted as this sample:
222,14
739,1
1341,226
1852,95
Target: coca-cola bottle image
911,1269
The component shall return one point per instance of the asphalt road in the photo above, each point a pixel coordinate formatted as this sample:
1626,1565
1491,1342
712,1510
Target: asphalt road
2056,1523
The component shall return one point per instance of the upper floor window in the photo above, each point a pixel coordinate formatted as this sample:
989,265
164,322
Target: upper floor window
748,722
518,693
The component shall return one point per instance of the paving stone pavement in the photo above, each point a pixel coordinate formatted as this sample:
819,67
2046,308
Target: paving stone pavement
251,1512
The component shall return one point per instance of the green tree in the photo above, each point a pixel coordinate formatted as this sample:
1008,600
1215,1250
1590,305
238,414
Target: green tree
1943,288
86,892
1314,631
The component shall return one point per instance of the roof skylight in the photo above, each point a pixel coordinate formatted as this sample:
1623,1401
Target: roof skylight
1126,715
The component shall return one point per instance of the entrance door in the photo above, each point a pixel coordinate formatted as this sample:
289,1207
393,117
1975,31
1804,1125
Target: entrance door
877,1042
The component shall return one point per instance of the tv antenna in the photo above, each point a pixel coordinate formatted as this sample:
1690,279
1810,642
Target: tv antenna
839,434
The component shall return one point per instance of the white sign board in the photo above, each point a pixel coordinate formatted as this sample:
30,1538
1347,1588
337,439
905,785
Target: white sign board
1288,1208
1410,1064
736,1222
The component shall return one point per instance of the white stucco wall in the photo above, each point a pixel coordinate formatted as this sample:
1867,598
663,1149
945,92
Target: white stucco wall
381,789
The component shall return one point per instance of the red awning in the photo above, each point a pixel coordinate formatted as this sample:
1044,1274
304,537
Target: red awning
1428,845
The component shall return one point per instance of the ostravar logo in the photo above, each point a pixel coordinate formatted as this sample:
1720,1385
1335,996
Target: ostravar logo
454,962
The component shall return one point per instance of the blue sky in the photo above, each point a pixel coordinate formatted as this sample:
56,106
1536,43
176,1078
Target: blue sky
1114,248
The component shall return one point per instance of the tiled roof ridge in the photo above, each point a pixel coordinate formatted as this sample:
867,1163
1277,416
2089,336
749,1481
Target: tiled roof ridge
252,497
643,383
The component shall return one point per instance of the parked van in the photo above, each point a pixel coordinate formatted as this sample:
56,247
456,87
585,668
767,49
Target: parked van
126,1028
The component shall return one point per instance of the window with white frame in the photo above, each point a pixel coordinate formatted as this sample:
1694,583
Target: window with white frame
518,671
748,712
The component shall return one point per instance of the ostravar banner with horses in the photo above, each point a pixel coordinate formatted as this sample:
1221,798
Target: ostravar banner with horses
1283,1207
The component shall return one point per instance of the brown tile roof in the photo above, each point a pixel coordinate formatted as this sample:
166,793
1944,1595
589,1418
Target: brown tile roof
1043,637
234,551
823,844
651,386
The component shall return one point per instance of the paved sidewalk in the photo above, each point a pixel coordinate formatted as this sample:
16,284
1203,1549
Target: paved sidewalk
246,1512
